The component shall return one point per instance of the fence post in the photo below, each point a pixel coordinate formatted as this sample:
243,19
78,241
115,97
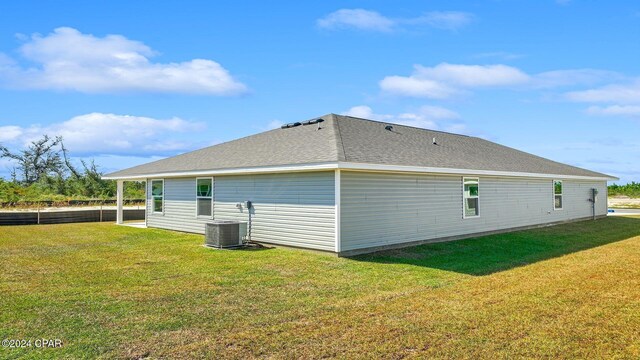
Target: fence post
101,201
38,206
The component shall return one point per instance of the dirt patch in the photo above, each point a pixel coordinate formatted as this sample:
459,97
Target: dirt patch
623,202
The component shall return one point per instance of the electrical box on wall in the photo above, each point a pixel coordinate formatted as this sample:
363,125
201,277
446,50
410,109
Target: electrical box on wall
244,205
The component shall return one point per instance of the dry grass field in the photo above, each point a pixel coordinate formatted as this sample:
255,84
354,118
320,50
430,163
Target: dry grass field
623,202
106,291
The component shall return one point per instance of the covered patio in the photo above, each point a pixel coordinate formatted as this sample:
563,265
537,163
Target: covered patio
120,218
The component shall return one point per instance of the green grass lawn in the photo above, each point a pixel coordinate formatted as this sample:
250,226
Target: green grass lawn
569,291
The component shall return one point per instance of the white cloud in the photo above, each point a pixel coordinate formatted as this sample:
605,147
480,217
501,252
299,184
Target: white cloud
472,75
444,80
110,163
364,112
70,60
368,20
448,20
573,77
438,113
356,18
427,117
416,87
10,133
5,61
98,133
615,110
623,98
615,93
274,124
8,67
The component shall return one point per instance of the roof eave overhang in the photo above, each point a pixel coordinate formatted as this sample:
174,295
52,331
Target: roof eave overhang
454,171
230,171
351,166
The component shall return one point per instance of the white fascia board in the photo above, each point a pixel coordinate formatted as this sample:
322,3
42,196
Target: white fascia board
337,194
233,171
356,167
453,171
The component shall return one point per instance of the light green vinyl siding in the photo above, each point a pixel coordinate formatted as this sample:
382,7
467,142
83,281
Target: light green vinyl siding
380,209
295,209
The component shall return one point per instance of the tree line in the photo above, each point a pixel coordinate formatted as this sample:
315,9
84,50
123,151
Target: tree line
631,189
43,171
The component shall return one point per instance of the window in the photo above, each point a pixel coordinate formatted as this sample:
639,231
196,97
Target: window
557,194
470,197
204,198
157,196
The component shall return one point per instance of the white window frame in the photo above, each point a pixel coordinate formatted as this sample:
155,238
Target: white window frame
553,193
204,197
464,198
153,204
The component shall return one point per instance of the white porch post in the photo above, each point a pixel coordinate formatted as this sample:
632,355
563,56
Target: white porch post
120,195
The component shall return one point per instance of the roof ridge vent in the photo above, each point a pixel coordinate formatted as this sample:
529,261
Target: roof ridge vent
313,121
388,127
290,125
308,122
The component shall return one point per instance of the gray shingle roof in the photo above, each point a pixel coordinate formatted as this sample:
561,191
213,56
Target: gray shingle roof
349,139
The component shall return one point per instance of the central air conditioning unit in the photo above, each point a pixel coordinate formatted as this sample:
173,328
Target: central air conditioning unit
224,234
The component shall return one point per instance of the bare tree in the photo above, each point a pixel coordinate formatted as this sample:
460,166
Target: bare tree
47,162
70,166
39,160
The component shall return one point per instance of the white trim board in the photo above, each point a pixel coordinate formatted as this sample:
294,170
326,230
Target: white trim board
153,210
357,167
337,194
233,171
210,217
464,198
469,172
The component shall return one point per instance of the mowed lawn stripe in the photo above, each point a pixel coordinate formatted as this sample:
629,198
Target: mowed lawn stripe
109,291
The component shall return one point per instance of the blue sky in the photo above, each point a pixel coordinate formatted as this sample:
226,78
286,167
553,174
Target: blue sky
125,83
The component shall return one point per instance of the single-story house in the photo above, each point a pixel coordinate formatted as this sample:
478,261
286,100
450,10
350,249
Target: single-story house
349,185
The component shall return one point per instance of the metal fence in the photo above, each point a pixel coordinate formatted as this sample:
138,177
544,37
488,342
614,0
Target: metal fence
67,211
28,204
66,216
